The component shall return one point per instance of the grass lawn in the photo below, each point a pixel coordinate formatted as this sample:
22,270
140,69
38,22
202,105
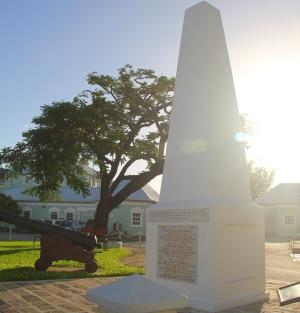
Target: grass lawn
17,263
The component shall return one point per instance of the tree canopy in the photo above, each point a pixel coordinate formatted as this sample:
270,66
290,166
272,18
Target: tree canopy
120,121
261,179
8,204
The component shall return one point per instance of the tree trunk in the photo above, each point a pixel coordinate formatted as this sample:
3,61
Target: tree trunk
104,205
102,214
108,201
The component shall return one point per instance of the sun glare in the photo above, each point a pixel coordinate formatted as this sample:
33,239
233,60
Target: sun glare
268,92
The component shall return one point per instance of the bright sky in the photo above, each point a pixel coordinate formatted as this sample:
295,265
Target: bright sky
48,47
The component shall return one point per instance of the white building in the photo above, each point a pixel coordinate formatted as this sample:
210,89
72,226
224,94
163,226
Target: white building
282,210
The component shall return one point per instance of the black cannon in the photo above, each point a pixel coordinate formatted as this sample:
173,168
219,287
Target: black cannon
57,243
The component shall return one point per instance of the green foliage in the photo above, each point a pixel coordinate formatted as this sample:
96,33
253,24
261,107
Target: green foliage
18,257
261,179
8,204
120,121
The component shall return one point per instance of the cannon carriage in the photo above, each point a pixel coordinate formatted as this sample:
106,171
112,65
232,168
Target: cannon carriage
57,243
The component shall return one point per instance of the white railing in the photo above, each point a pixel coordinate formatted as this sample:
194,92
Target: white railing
120,235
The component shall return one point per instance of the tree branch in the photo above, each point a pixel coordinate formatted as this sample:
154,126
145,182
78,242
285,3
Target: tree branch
122,173
136,183
130,137
107,160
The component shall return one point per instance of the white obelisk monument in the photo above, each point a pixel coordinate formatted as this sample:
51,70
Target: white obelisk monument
205,237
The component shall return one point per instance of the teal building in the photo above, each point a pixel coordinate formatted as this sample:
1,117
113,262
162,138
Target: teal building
129,217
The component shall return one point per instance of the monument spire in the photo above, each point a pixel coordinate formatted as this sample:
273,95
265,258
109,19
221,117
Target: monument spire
205,164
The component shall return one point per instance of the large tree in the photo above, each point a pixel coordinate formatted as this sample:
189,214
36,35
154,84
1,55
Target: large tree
120,121
261,179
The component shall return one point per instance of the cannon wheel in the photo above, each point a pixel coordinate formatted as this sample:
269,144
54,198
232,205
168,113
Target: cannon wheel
42,264
91,266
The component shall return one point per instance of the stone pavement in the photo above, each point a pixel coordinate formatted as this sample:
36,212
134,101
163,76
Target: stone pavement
137,258
68,296
48,296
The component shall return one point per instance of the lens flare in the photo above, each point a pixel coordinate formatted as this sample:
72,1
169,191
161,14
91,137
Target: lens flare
196,145
240,137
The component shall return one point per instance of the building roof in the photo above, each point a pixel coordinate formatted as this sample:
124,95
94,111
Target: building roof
146,193
285,193
90,170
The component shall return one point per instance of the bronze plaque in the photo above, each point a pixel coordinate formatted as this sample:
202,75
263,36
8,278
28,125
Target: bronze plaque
289,294
177,252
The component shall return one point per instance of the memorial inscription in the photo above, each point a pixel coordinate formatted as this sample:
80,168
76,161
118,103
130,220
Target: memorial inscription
177,252
179,216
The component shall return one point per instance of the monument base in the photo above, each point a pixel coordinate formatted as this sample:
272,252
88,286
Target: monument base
202,304
137,294
215,256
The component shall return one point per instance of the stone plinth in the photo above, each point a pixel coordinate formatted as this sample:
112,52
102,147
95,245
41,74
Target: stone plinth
137,294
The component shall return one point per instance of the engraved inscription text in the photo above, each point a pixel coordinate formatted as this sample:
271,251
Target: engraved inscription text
179,216
177,252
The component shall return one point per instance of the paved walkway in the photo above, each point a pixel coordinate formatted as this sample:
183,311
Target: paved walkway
137,258
48,296
69,295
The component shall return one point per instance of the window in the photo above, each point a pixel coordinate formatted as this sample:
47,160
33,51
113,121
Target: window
117,226
69,216
92,182
27,179
6,181
136,217
54,215
289,219
27,214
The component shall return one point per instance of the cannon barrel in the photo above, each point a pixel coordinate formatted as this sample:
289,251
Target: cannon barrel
88,242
